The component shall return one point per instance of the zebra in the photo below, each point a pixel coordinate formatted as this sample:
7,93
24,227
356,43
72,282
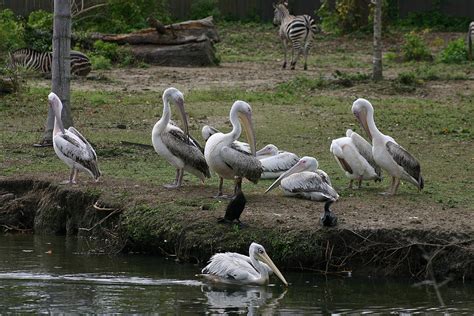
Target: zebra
470,39
41,61
299,30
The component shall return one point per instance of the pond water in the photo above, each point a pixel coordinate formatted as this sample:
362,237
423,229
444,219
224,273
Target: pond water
50,275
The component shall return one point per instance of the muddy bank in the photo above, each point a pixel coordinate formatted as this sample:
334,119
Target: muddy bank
187,229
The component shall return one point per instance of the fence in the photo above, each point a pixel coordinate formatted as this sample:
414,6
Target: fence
244,9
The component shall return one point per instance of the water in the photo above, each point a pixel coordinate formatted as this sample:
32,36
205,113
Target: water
50,275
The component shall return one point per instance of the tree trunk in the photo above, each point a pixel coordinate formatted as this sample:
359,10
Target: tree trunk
61,65
377,60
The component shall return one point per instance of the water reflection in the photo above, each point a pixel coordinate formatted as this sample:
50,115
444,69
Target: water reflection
255,300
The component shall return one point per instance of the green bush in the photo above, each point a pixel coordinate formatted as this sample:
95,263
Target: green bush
415,48
39,30
100,62
204,8
11,32
114,53
455,52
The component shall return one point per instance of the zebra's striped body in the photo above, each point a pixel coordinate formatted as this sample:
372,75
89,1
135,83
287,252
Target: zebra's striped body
470,39
41,61
297,31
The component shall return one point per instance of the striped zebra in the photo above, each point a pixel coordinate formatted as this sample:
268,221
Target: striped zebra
297,30
41,61
470,39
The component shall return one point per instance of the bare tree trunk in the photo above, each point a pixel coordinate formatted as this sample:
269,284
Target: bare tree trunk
377,60
61,66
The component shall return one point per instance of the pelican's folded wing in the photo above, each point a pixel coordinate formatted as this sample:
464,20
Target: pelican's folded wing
185,149
365,150
404,159
88,145
280,162
78,152
244,165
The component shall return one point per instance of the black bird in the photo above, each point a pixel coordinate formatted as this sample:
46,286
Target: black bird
328,219
234,210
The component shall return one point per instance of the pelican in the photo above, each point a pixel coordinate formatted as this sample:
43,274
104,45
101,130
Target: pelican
305,180
398,162
70,146
275,162
354,155
225,159
176,146
234,268
207,131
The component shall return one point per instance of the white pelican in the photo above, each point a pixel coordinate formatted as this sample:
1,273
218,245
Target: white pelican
70,146
354,155
305,180
207,131
225,159
275,162
398,162
234,268
176,146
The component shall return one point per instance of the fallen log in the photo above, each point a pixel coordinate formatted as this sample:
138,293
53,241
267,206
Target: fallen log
175,34
189,54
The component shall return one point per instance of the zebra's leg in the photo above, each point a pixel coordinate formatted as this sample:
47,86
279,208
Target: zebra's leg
285,49
307,46
293,63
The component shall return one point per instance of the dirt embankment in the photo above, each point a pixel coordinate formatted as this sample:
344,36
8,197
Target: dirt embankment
187,229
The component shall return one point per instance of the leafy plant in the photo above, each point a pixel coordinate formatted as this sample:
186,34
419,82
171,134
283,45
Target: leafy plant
100,62
415,48
114,53
39,30
204,8
11,31
455,52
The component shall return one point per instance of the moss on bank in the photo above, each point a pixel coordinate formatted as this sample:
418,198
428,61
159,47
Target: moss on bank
187,229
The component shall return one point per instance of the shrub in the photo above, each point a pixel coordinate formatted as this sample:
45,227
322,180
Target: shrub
100,62
39,30
204,8
455,52
114,53
11,31
415,48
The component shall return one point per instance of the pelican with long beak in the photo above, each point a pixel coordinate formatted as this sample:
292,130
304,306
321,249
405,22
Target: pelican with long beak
234,268
70,146
398,162
304,180
354,155
225,159
178,147
207,131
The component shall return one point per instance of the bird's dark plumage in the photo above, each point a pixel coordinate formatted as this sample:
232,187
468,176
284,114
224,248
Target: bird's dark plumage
234,209
328,219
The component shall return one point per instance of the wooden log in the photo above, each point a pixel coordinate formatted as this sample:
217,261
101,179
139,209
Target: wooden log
190,54
176,34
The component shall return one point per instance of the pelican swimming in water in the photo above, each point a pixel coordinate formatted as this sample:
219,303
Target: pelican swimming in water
234,268
275,162
305,180
354,155
177,147
70,146
398,162
228,161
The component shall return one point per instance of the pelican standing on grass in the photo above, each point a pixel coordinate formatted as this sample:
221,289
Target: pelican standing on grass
354,155
304,180
225,159
234,268
176,146
398,162
70,146
207,131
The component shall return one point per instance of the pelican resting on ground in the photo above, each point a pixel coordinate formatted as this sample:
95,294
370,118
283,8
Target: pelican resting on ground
234,268
225,159
275,162
234,210
398,162
177,147
70,146
305,180
354,155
